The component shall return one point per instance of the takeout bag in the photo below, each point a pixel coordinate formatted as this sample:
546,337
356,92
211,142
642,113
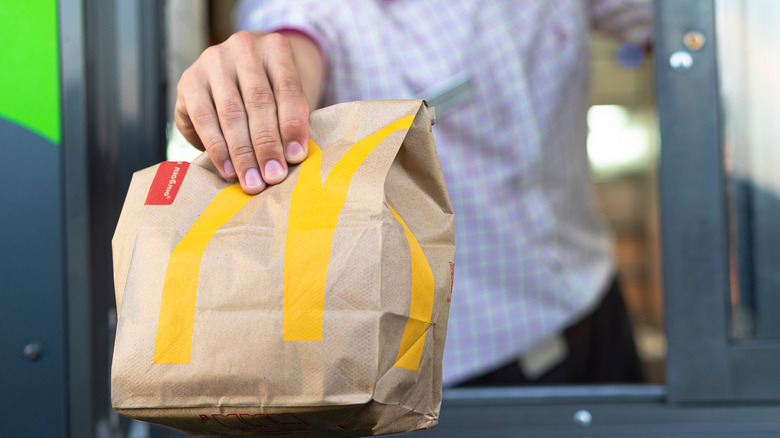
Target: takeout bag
319,305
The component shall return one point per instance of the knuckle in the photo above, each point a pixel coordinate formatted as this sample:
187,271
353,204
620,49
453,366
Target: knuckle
289,87
241,39
202,116
188,81
242,36
232,111
212,56
211,52
242,156
292,125
277,41
265,139
259,97
214,144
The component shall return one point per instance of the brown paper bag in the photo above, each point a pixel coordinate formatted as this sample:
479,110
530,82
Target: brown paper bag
319,305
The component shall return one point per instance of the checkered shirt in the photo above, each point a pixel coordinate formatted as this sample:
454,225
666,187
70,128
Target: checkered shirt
510,80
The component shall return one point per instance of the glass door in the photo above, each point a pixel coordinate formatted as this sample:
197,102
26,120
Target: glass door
719,101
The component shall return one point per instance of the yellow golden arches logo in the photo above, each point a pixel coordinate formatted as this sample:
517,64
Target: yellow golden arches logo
314,211
177,308
423,288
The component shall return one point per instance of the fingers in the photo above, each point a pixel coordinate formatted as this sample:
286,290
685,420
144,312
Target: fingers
232,116
259,101
291,105
243,102
197,120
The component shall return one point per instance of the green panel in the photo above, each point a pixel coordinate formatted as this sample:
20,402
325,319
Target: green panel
29,66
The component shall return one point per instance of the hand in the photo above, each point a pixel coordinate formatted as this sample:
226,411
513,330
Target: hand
245,103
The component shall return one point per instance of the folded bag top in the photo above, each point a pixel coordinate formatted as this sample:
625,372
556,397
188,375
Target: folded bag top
319,305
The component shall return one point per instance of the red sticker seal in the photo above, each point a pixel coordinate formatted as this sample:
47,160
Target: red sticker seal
166,183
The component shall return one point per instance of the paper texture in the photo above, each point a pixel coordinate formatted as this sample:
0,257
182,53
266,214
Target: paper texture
316,307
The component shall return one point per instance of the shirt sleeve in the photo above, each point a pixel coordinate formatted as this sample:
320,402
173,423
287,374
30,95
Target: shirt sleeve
628,20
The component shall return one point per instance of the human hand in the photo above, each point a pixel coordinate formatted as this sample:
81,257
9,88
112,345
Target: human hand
245,103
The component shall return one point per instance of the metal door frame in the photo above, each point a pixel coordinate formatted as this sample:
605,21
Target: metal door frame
703,363
113,123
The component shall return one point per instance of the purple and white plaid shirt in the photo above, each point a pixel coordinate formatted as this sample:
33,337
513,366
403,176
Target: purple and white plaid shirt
510,82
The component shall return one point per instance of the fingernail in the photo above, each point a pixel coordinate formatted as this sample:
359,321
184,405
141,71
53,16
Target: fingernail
294,150
252,178
273,170
228,169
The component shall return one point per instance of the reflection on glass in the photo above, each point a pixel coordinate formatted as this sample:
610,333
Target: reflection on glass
749,69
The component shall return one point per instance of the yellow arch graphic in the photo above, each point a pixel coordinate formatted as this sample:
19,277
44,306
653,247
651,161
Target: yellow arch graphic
423,289
173,343
314,213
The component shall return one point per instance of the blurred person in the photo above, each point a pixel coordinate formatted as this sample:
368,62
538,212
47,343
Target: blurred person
535,298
